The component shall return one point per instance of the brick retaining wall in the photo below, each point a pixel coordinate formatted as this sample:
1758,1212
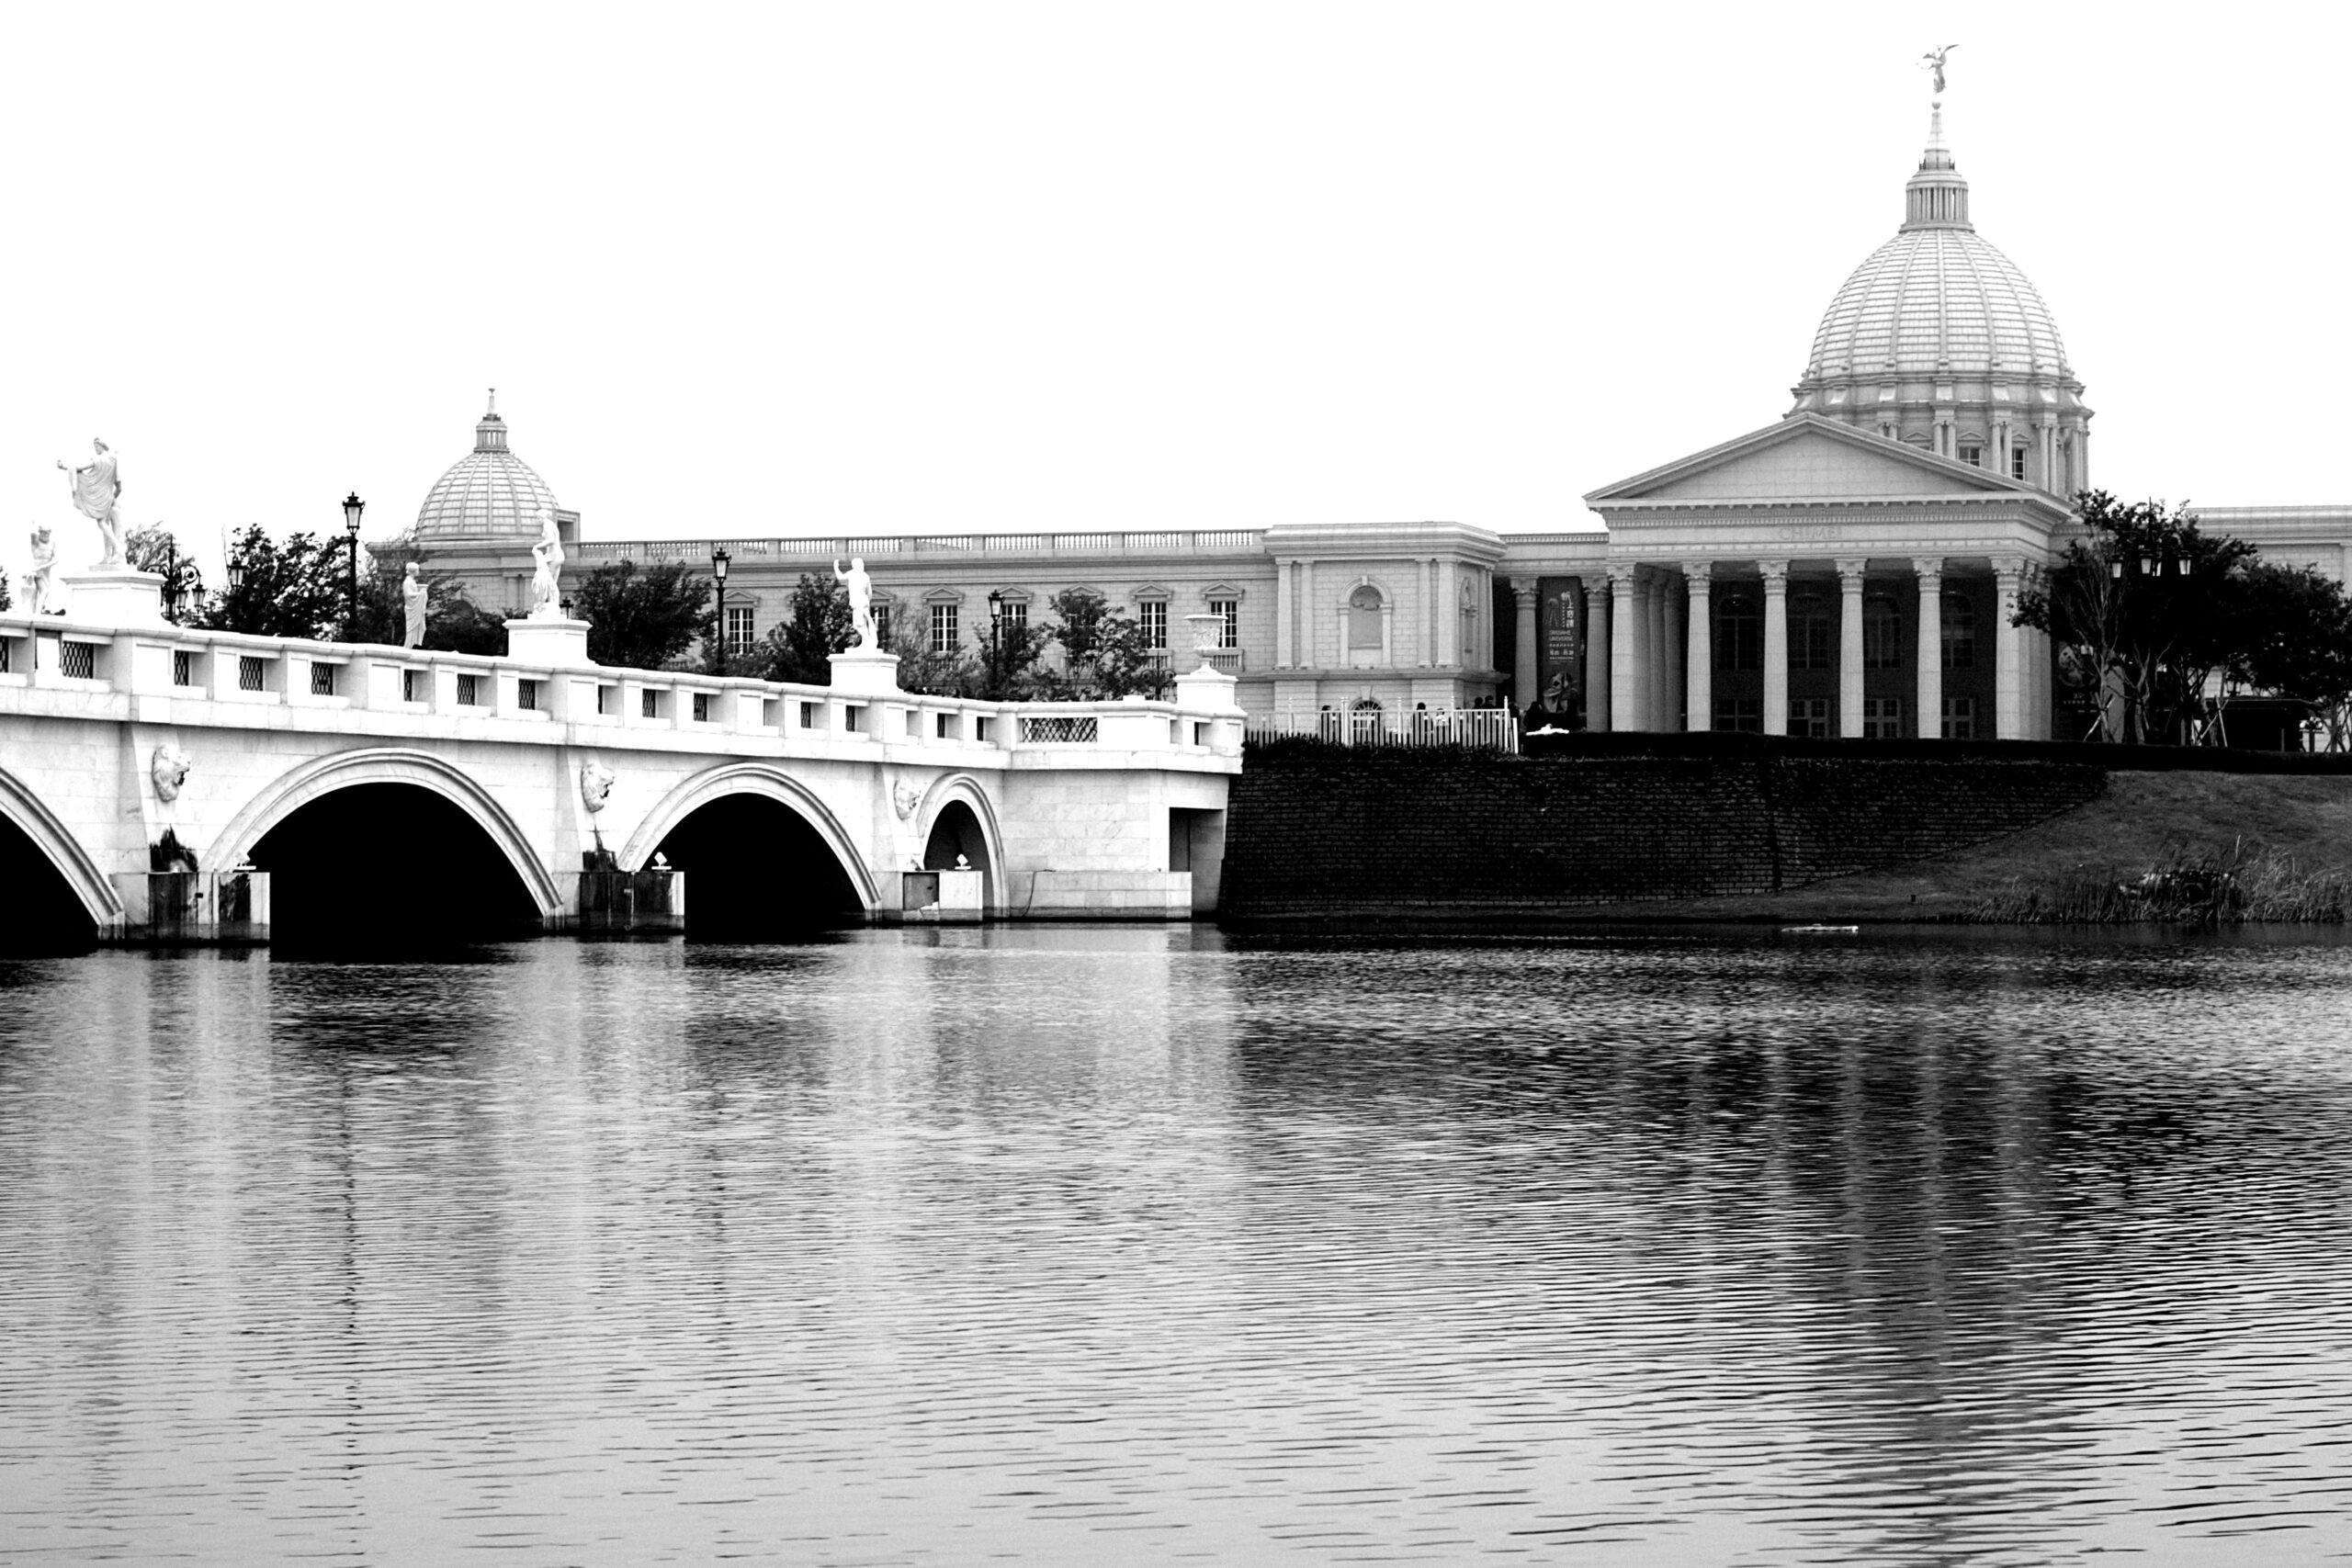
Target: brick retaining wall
1363,832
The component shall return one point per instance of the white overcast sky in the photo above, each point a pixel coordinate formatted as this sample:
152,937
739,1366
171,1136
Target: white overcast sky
837,268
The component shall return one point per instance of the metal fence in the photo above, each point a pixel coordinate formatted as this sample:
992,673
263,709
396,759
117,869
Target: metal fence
1484,729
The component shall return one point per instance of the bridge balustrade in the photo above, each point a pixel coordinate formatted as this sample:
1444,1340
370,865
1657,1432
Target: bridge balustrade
214,677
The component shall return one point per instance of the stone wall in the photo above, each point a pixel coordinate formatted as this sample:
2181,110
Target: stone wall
1361,832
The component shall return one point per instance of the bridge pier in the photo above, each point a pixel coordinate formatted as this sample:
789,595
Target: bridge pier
191,908
613,902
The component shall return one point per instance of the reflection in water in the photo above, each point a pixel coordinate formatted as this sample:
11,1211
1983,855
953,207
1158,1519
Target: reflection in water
1079,1246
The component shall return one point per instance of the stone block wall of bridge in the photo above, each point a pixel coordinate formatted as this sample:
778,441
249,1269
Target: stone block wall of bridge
128,751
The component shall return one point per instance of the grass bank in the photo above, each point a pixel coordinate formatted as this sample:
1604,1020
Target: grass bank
2169,846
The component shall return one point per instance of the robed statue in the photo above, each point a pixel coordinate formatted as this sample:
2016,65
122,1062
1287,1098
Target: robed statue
861,600
40,583
96,487
412,595
546,590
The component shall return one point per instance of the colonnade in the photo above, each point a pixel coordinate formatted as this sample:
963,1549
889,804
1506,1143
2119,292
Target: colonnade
1650,655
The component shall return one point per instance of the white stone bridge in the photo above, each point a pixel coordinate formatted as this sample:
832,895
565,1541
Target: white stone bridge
439,789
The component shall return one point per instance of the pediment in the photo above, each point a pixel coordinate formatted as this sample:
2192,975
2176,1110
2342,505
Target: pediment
1806,458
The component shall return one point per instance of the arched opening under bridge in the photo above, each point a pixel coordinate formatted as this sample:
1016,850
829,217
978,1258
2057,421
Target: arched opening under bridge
380,865
757,870
42,913
957,831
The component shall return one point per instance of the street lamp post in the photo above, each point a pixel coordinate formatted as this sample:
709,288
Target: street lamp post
352,507
718,559
235,608
996,643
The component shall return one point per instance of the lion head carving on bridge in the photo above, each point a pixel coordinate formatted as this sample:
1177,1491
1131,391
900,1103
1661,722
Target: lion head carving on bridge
169,768
595,785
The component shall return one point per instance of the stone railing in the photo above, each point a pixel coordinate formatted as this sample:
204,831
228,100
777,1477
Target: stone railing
63,668
1179,541
1486,730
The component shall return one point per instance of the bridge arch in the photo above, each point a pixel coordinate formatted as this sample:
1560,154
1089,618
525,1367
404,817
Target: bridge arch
960,795
763,780
58,845
299,785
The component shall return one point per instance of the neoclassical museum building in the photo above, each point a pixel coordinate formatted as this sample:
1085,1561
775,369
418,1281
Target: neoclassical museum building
1847,570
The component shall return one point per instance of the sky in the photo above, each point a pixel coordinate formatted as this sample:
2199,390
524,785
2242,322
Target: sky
825,268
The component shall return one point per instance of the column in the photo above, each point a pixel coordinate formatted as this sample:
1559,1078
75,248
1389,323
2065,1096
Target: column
1930,570
1654,697
1596,653
1699,661
1776,646
1523,677
1622,713
2009,651
2082,457
1449,621
1285,655
1850,648
1670,690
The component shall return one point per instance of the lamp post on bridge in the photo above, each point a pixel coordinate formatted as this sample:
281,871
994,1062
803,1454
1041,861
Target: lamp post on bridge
352,507
718,559
996,644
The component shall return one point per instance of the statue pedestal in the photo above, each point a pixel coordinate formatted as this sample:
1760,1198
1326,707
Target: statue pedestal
866,672
114,596
549,639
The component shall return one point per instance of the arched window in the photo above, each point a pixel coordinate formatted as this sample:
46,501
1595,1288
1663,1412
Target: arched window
1364,618
1739,634
1808,632
1958,632
1881,633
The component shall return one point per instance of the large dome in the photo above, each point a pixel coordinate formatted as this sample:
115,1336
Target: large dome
1937,301
488,493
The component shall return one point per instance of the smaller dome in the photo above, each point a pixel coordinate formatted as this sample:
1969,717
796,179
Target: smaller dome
489,493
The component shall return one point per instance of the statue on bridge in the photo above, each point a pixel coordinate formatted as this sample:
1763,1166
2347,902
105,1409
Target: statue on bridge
40,585
861,600
547,588
96,487
412,596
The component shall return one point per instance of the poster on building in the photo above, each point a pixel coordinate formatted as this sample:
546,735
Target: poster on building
1560,645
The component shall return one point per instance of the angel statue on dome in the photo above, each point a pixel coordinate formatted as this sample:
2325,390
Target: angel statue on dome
1934,61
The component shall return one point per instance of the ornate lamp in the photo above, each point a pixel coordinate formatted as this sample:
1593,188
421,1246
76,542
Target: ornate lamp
352,507
719,560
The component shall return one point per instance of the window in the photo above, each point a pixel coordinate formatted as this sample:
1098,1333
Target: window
1153,613
80,659
1881,633
1745,715
1013,616
1959,633
944,638
526,695
1364,617
182,665
649,705
1972,454
1960,718
1810,716
702,707
5,645
412,685
1881,718
882,625
809,716
2017,462
1229,635
470,691
1739,635
251,674
740,635
1808,635
609,699
322,680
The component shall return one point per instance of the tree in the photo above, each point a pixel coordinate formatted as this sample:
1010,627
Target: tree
642,619
817,625
2299,644
152,548
2154,608
454,623
1106,652
296,588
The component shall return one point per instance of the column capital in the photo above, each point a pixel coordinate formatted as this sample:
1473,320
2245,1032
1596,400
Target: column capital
1929,569
1524,590
1849,572
1621,575
2009,570
1776,575
1698,573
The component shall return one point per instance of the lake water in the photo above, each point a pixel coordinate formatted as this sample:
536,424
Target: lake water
1092,1245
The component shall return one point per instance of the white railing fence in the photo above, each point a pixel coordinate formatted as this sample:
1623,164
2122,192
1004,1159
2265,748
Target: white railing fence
1487,729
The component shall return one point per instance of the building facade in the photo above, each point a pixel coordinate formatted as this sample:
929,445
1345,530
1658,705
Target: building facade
1849,570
